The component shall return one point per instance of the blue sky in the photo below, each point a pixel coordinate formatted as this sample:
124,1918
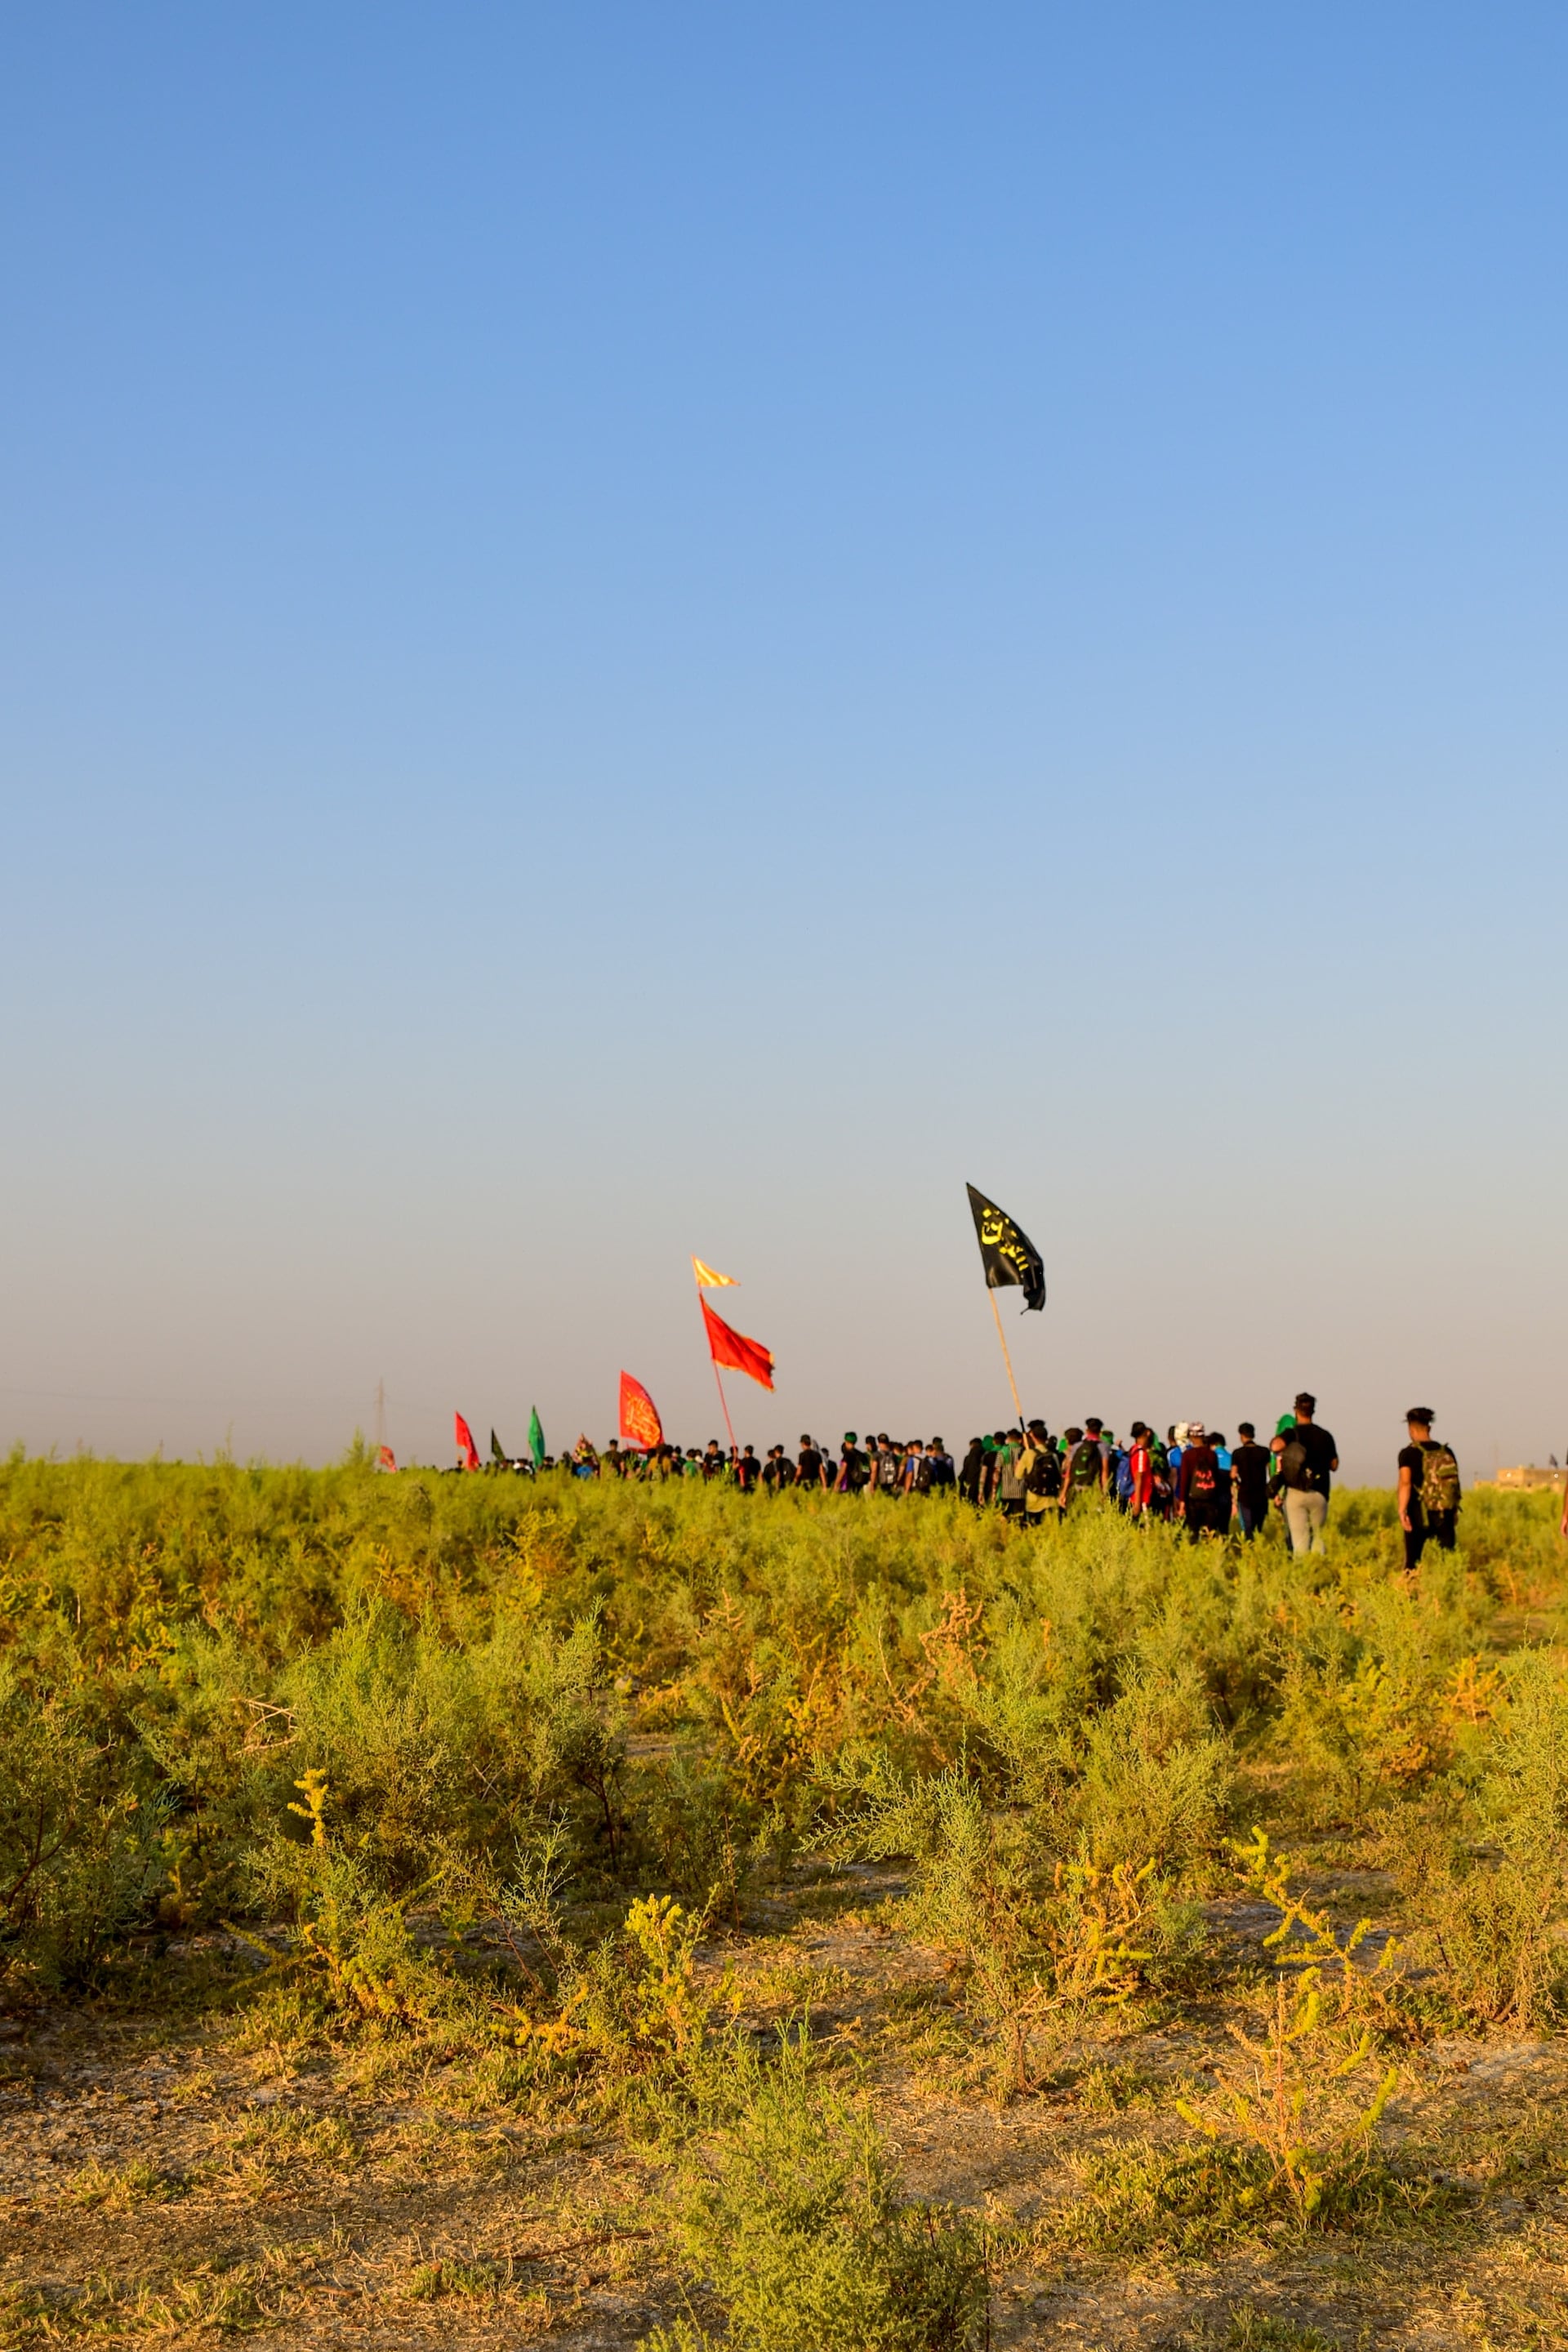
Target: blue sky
633,631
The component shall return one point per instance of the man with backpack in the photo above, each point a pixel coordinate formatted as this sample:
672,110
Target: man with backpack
1040,1472
1429,1489
1009,1490
1085,1474
1307,1456
854,1468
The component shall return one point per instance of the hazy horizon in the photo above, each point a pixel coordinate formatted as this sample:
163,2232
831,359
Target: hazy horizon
633,635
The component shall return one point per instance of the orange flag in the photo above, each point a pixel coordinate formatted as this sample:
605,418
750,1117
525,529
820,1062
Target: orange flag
386,1459
463,1438
640,1423
734,1348
707,1280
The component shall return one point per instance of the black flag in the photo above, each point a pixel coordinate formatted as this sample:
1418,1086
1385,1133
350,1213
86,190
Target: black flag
1008,1255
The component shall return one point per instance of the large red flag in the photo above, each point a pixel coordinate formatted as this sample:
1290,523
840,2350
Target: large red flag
733,1348
463,1438
640,1423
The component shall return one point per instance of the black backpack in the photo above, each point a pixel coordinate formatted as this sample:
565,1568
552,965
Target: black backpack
1087,1463
1295,1465
1045,1472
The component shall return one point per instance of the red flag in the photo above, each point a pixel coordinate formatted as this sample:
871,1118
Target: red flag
463,1438
733,1348
640,1423
386,1459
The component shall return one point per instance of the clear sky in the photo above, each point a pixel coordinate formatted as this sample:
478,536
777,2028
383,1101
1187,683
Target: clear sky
633,630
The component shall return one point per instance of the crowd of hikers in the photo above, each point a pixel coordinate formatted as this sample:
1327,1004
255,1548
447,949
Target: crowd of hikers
1192,1476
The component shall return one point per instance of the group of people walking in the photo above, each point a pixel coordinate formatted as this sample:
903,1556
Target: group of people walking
1192,1475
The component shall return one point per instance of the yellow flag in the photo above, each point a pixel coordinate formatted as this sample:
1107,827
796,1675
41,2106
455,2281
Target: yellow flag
707,1280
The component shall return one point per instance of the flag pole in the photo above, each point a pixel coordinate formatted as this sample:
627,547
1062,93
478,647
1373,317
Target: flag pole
1006,1359
719,1385
718,1382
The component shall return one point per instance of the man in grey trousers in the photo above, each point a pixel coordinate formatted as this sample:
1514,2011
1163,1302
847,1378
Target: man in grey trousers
1306,1458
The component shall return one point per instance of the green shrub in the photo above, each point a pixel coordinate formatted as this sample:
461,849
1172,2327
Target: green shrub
1157,1778
1039,1936
81,1854
1485,1861
1191,2201
350,1937
794,2231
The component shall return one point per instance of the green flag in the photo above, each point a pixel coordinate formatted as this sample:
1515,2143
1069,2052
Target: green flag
496,1453
536,1439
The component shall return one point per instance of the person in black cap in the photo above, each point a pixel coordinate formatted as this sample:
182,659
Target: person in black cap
1429,1489
1307,1458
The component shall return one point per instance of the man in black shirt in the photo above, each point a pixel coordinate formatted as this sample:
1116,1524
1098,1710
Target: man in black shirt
1307,1458
1250,1480
1429,1488
808,1470
748,1470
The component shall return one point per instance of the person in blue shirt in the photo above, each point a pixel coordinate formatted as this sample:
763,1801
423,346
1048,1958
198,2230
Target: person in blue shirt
1225,1501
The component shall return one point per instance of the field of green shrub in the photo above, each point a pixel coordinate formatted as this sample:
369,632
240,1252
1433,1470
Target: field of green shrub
519,1773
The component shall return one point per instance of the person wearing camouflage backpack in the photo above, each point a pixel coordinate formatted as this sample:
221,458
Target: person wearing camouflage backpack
1429,1488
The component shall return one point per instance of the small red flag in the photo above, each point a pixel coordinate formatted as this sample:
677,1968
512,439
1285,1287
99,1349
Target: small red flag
733,1348
640,1423
386,1459
463,1438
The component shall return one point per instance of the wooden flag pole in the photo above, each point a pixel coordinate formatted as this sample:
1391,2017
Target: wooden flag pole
1006,1359
719,1385
718,1382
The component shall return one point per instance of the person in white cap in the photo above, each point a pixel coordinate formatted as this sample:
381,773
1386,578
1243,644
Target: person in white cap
1198,1486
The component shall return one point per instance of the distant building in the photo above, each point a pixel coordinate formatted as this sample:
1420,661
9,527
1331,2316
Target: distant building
1524,1474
